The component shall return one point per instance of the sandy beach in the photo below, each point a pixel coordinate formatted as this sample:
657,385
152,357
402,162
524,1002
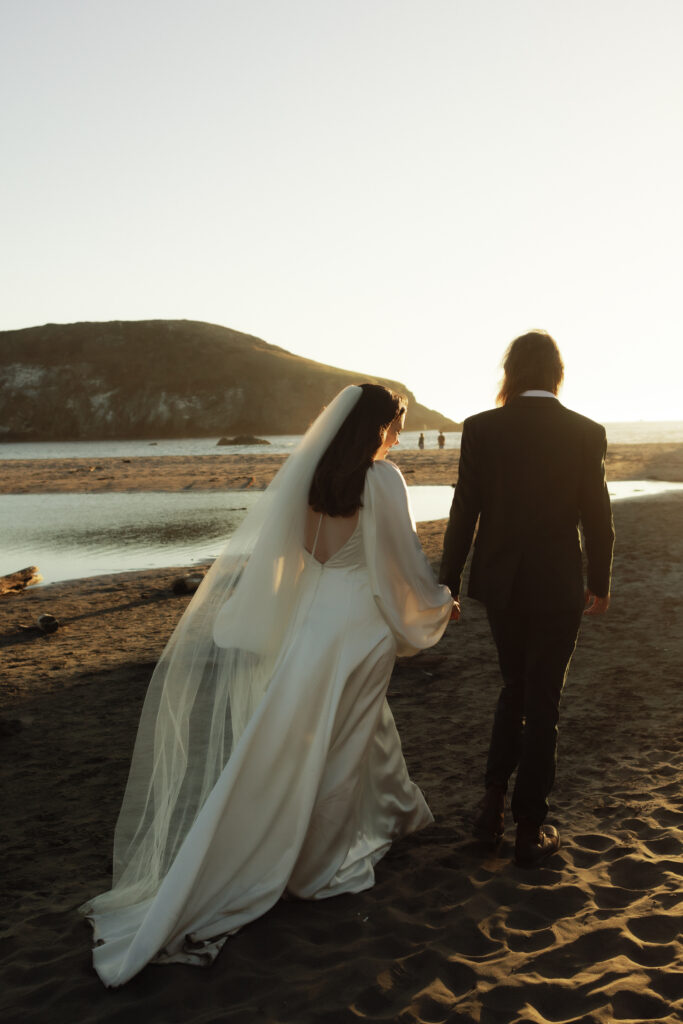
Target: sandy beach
235,472
449,932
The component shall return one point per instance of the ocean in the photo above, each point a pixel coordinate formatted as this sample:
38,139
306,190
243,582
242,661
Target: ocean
639,432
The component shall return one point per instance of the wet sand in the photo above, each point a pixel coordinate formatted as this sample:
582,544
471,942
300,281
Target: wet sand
233,472
449,932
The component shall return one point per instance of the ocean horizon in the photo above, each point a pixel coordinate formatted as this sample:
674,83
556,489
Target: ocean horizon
633,432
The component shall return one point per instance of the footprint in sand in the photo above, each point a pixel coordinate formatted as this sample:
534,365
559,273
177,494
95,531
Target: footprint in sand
670,788
614,897
593,841
524,920
668,900
652,955
667,770
425,965
640,874
638,1006
556,902
643,829
668,817
550,1000
585,858
667,844
590,948
662,928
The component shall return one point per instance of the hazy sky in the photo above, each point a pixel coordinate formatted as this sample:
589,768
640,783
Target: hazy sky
398,187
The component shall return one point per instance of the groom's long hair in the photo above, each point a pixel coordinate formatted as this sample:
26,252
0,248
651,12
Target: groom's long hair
531,362
339,477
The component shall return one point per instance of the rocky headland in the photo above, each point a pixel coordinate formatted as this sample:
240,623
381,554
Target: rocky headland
164,378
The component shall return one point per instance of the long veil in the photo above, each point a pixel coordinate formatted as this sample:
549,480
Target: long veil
214,671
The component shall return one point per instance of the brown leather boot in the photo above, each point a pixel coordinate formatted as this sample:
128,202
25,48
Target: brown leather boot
535,843
489,825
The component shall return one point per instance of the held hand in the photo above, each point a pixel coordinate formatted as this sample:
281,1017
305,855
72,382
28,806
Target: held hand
455,611
596,605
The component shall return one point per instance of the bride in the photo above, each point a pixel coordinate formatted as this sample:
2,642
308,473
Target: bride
267,760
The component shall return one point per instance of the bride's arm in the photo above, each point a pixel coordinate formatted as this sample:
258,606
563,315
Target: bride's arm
415,606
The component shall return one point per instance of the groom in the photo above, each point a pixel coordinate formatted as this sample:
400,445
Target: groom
530,471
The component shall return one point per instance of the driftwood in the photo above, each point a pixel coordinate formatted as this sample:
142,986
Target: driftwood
18,581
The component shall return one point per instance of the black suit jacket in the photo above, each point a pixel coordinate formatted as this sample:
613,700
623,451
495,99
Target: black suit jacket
530,472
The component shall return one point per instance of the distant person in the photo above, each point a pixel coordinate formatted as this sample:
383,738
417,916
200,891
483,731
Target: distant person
530,472
441,440
267,760
421,442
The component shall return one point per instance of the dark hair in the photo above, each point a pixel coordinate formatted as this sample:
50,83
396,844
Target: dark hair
532,361
339,477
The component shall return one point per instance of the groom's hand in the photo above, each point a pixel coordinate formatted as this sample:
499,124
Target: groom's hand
455,611
595,605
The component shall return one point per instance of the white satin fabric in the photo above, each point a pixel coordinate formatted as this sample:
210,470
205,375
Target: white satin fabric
316,787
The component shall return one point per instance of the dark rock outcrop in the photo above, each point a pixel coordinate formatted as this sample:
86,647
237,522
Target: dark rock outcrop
163,378
241,439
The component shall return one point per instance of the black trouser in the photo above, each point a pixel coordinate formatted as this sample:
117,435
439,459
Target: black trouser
534,651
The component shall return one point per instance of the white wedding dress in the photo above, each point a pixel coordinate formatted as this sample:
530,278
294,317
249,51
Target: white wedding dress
315,788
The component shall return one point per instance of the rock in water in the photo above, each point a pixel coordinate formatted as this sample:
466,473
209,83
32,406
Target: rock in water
242,439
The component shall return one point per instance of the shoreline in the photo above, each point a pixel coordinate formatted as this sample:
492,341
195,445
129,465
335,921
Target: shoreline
254,472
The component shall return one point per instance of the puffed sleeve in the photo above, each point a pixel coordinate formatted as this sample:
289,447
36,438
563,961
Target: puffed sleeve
416,608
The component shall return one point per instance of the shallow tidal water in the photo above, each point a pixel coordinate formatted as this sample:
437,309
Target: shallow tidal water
69,536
